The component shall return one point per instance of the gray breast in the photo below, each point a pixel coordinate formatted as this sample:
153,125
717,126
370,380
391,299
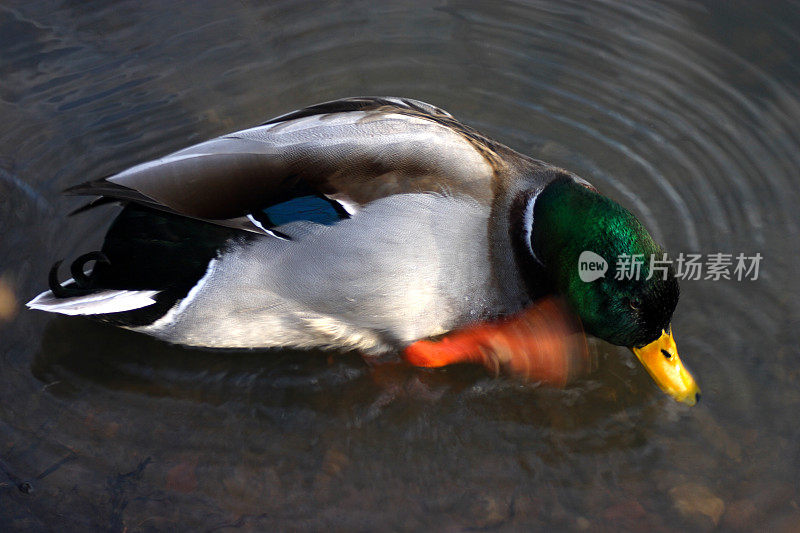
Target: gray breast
407,267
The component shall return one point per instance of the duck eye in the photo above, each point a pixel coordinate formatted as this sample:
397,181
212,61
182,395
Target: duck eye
666,354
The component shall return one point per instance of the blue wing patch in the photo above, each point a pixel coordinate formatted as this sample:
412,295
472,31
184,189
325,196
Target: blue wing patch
318,209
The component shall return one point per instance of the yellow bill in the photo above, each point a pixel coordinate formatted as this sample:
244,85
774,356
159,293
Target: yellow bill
661,360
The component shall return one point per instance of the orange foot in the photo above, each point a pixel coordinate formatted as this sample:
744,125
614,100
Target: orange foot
542,343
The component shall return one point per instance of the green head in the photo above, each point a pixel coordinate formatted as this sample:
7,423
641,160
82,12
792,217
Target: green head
569,219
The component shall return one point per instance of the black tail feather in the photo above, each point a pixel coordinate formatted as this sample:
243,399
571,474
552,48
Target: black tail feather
147,249
83,284
55,286
77,268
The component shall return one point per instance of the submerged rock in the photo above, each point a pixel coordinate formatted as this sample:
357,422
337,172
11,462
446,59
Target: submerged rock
693,500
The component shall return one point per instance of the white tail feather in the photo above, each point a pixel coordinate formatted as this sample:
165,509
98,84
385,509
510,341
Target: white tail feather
96,303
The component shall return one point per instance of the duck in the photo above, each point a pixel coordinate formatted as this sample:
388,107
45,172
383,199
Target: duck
378,224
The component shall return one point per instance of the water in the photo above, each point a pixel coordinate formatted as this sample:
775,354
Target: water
686,112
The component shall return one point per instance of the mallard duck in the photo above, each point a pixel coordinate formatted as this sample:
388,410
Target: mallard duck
362,223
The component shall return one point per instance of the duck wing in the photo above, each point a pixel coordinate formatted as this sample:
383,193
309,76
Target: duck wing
346,152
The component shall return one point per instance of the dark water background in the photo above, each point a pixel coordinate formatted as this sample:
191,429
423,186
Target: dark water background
686,112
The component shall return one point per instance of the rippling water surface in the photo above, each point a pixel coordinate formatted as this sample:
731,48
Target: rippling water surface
688,113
